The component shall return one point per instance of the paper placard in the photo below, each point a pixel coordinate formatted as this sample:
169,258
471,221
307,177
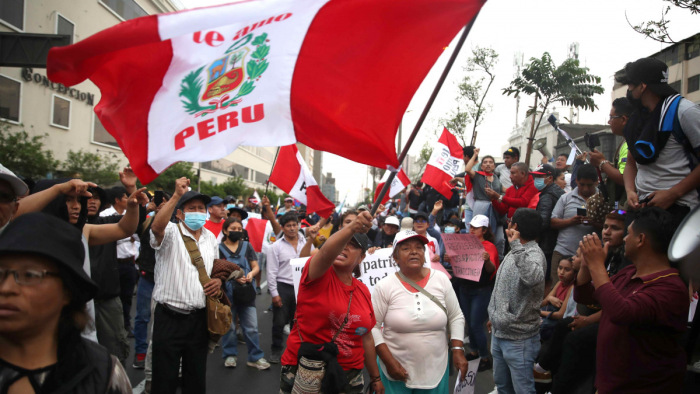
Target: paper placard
467,386
466,255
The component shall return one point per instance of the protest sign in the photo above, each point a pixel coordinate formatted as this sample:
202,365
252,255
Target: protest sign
466,255
374,267
467,385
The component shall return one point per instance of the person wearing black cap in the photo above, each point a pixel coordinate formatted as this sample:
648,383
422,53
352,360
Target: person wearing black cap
663,138
43,291
180,317
336,307
510,157
550,193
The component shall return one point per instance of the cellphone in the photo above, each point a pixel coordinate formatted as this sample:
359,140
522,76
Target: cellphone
581,211
158,197
645,200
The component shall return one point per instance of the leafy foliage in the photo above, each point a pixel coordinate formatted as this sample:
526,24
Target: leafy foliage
25,155
189,89
102,169
567,84
472,93
166,180
658,30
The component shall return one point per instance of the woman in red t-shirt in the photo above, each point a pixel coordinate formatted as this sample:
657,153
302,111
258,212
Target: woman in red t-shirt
328,294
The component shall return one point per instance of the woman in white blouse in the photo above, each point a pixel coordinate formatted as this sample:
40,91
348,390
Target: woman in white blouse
411,330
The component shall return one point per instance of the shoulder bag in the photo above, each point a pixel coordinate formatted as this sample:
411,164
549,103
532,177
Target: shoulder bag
242,294
318,370
218,315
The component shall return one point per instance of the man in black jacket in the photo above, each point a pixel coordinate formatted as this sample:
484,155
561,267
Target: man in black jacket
549,195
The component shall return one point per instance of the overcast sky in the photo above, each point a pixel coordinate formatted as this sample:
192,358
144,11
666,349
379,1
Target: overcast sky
531,27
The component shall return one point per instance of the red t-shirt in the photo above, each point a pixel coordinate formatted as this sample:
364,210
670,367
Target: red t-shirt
214,227
321,308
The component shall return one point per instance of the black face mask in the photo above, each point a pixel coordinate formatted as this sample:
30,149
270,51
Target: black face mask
235,236
637,103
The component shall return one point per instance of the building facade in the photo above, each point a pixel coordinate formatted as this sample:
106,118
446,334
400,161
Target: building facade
30,101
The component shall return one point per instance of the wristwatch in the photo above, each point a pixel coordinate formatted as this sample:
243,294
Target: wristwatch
457,348
600,166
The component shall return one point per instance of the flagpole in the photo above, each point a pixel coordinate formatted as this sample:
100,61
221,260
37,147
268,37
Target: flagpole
424,114
267,184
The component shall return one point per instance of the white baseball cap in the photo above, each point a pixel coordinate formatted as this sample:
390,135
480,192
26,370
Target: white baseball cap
479,221
20,188
408,234
393,220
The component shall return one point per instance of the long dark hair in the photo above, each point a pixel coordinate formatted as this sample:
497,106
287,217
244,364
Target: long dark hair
229,222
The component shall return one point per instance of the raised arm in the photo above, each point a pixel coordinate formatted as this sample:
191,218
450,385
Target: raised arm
468,168
104,233
37,201
531,273
322,261
160,221
269,215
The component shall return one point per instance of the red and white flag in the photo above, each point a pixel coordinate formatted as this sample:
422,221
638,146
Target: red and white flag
443,164
255,198
293,176
256,232
399,183
335,75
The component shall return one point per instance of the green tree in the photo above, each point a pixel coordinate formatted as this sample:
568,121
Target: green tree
166,180
472,92
658,30
25,155
92,167
567,84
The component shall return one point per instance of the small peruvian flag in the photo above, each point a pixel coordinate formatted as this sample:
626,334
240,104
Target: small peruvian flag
256,232
399,183
443,164
335,75
293,176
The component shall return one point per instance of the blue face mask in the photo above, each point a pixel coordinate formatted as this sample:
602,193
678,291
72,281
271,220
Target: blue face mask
539,183
195,220
229,206
449,230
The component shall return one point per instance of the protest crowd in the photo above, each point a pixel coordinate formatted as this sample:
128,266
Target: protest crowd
540,276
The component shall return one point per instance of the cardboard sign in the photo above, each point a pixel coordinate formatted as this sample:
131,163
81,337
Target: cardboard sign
466,255
467,385
374,267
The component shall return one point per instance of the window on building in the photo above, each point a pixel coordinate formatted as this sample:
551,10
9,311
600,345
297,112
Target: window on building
676,86
694,83
60,112
692,50
125,9
100,134
12,13
64,27
260,177
10,92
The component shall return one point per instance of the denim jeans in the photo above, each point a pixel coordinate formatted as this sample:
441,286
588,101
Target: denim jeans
144,293
475,303
513,361
249,325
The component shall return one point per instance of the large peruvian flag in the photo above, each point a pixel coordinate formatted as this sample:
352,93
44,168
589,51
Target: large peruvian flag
335,75
399,183
293,176
443,164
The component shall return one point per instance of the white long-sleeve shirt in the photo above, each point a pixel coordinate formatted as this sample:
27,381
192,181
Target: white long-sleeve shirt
415,328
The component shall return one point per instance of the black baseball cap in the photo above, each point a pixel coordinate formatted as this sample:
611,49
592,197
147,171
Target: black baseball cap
650,71
191,195
48,236
543,169
512,151
361,240
420,214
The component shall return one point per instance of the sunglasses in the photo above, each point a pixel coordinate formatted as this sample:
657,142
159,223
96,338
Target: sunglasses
420,221
619,211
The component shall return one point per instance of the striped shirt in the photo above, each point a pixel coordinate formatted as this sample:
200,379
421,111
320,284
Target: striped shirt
176,278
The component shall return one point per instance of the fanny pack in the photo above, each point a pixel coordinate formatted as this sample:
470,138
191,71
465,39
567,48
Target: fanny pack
318,369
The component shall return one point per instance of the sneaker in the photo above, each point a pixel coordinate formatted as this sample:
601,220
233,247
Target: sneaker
230,362
276,356
258,290
542,377
139,361
261,364
485,364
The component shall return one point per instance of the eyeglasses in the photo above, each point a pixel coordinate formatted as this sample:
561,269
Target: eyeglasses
7,198
420,221
615,117
26,277
619,211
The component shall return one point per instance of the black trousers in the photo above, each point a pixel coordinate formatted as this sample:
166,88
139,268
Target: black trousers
578,360
128,276
177,336
283,315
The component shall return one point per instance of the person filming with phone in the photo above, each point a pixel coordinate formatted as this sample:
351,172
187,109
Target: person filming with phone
570,217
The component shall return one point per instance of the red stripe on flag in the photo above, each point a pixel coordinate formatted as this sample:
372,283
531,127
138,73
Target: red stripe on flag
317,202
256,232
113,59
360,65
287,168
